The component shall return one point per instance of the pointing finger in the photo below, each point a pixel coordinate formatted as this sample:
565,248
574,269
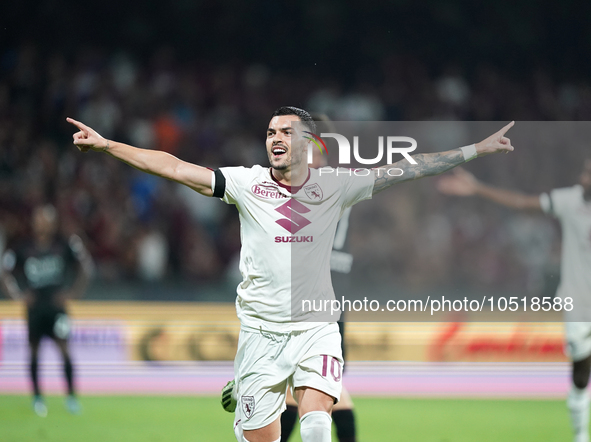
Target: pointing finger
78,124
506,128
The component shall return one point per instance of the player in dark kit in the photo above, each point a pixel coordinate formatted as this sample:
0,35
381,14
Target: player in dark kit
38,272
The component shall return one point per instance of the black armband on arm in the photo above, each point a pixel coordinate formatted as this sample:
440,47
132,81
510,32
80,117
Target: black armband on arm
220,184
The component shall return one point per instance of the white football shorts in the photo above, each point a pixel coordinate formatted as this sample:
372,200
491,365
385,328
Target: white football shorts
268,362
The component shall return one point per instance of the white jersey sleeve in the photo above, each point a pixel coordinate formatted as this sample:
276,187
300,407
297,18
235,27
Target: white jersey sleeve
236,179
356,186
559,201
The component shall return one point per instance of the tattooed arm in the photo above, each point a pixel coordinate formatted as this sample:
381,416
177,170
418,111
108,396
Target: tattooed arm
429,164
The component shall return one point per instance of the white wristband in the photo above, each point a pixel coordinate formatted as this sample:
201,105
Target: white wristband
212,181
469,152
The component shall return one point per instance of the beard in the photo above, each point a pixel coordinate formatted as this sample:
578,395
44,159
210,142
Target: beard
292,161
279,163
280,166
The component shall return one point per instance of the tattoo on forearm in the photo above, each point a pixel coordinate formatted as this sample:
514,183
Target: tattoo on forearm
428,164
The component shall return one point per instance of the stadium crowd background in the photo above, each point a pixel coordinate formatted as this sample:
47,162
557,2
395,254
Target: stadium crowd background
208,102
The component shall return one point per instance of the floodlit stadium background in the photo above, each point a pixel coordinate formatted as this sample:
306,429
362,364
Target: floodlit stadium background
200,80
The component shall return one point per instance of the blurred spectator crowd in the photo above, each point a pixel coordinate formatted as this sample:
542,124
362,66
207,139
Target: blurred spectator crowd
142,227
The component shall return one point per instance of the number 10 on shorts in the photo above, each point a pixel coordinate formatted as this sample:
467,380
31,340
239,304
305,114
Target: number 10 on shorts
335,367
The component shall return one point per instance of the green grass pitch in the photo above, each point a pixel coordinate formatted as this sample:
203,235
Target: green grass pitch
201,419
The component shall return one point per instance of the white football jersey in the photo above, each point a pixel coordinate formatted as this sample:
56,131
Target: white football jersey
574,214
287,236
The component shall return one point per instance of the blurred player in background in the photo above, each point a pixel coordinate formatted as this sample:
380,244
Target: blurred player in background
39,271
274,351
572,207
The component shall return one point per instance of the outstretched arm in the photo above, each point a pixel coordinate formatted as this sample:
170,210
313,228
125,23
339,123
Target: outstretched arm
430,164
463,183
151,161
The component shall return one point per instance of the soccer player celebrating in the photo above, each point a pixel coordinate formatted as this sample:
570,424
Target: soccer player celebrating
37,271
572,207
340,266
278,208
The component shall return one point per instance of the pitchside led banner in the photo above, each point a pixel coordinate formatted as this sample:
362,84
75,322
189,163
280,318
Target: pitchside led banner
486,241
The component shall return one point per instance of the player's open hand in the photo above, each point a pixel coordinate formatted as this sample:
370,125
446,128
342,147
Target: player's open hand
458,183
497,142
87,138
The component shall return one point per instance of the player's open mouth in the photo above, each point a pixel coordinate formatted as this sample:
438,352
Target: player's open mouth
278,151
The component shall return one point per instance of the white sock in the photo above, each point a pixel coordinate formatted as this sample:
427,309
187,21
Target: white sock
315,427
578,404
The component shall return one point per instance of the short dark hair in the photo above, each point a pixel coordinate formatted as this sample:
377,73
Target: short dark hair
303,115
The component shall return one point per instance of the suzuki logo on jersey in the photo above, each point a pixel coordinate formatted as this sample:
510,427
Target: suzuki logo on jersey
267,192
293,222
309,238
